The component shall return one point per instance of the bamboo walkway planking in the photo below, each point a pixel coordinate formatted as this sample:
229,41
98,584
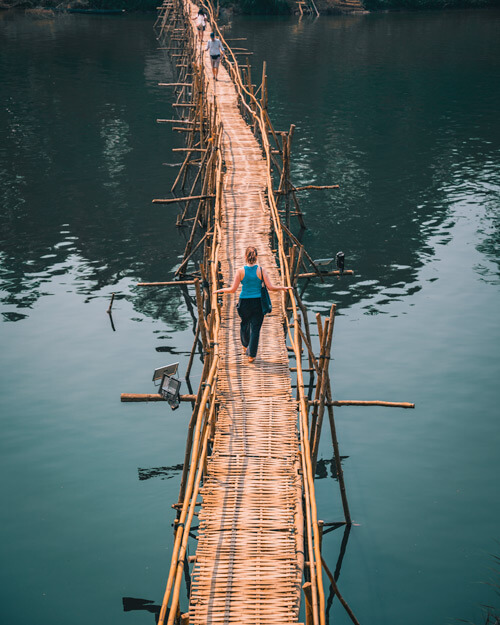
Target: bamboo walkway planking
250,446
249,561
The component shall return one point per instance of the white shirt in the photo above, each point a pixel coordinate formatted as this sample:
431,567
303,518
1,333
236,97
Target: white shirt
214,47
200,20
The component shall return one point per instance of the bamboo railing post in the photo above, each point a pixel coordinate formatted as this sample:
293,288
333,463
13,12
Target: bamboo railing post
308,596
263,91
299,346
325,379
313,364
295,240
287,140
189,439
201,317
322,332
193,351
187,524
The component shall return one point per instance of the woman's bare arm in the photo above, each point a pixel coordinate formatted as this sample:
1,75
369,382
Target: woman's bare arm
236,283
270,285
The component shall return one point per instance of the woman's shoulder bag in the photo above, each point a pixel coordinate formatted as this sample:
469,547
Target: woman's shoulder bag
265,300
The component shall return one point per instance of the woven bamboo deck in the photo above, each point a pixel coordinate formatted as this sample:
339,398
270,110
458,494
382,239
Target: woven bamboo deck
248,560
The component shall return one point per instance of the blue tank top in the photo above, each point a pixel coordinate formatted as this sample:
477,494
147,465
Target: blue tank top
251,283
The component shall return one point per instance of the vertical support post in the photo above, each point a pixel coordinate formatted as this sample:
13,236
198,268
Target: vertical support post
324,382
193,351
263,90
322,332
308,595
201,316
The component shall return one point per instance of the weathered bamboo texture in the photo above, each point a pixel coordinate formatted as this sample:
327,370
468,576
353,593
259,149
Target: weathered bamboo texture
256,486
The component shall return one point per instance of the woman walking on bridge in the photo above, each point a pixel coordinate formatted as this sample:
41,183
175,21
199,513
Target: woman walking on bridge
216,50
249,306
201,22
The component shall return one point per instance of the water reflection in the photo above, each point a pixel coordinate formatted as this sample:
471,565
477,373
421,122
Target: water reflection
131,604
392,125
336,574
164,473
80,160
114,133
323,465
403,128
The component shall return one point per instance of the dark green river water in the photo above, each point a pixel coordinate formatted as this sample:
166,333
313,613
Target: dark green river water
402,111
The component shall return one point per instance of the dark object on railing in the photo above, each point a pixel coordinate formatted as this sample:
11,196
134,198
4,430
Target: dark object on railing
340,261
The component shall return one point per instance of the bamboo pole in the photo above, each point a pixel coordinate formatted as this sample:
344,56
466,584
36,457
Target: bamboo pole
297,242
190,433
171,283
201,316
183,533
308,596
191,253
143,397
316,187
182,199
190,490
325,274
324,381
201,171
357,402
322,332
193,351
111,303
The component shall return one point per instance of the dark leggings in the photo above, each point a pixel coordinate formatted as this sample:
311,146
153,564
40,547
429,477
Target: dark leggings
250,311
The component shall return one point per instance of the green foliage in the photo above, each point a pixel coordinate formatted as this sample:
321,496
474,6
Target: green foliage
426,4
258,6
129,5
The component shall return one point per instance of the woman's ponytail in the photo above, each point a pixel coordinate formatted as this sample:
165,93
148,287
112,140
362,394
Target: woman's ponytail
251,255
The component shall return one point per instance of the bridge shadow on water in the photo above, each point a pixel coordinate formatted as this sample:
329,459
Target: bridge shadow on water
131,604
325,469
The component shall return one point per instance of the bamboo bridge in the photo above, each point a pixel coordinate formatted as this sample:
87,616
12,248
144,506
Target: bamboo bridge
252,443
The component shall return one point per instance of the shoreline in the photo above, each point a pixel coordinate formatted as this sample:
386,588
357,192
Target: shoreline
249,7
